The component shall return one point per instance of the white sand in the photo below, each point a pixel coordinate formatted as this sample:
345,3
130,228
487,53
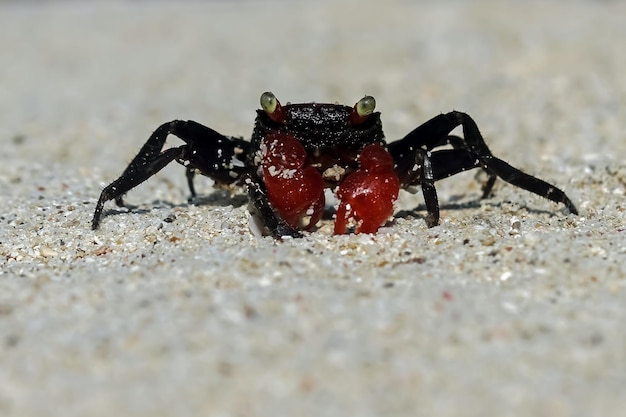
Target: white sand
509,307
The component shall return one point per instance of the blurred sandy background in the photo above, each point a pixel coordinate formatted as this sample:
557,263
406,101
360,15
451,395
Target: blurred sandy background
509,307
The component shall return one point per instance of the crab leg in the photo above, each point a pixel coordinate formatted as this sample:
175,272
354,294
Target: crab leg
418,164
205,149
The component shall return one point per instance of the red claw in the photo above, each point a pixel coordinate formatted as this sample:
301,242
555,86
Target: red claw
368,194
294,189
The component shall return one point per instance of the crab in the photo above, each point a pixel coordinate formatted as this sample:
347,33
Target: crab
299,150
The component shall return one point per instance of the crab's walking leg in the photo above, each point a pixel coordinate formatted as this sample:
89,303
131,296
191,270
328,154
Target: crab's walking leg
508,173
417,163
429,191
205,149
137,172
450,162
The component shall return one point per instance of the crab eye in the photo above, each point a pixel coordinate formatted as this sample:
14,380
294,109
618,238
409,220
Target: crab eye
362,109
272,107
365,106
268,102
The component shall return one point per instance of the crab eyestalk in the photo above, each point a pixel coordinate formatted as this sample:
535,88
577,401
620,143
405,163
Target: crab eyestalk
362,109
271,106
